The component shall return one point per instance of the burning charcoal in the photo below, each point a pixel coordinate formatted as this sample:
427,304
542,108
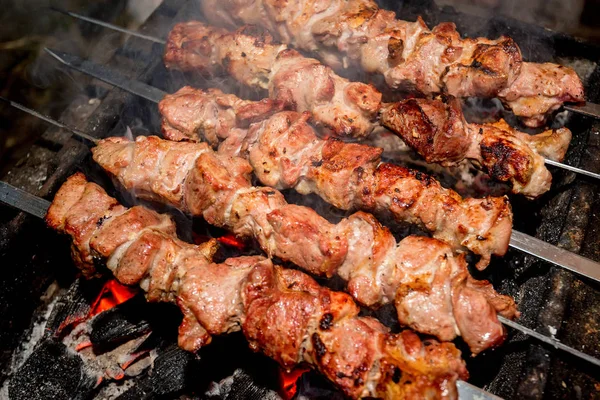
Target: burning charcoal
240,386
312,386
51,372
73,307
168,376
120,324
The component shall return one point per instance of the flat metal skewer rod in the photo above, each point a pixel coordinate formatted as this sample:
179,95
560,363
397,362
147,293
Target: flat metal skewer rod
22,200
38,207
587,109
520,241
50,120
572,169
551,341
110,26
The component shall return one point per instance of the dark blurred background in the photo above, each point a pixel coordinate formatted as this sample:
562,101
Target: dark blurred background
30,77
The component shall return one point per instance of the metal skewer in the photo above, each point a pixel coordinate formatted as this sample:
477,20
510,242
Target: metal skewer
50,120
572,169
588,109
109,26
520,241
38,207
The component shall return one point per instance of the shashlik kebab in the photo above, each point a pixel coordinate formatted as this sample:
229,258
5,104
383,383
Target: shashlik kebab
482,226
518,240
435,129
283,313
430,126
517,139
38,207
408,55
430,287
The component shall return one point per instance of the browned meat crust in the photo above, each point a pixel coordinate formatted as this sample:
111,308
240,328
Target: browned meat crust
283,313
285,152
541,89
350,33
346,109
436,129
361,251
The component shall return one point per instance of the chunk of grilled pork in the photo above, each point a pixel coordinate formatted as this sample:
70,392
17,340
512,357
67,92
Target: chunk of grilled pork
408,55
430,287
283,313
437,130
285,152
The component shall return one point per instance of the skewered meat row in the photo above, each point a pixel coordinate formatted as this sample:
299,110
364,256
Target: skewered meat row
345,108
503,154
408,55
283,313
285,153
436,129
431,289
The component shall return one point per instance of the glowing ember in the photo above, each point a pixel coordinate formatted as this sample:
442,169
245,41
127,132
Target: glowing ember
231,240
288,381
83,345
112,294
228,240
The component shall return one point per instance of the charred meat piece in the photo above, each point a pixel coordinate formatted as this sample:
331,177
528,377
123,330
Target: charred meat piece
436,129
283,313
408,55
285,152
358,249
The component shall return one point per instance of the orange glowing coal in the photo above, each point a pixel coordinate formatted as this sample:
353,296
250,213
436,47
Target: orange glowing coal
228,240
288,381
112,294
231,240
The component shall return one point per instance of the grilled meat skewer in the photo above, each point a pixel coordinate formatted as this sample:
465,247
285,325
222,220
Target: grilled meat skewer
346,109
253,59
283,313
430,287
408,55
435,129
285,152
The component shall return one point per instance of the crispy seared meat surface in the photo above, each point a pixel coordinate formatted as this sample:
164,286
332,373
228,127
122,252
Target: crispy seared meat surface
430,287
285,152
435,129
283,313
351,33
